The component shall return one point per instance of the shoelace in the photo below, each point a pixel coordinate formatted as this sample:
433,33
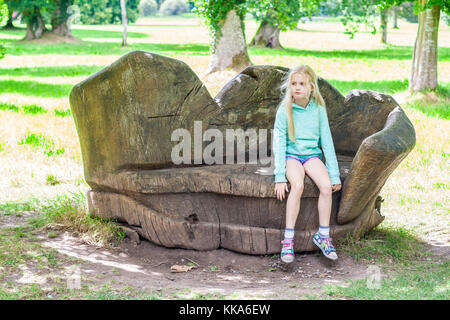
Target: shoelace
287,246
328,243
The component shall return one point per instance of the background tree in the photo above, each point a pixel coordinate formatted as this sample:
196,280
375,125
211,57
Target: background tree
383,24
34,12
225,20
12,5
94,11
159,3
174,7
424,57
60,18
424,64
3,17
276,16
355,13
407,12
123,7
147,7
395,10
132,11
106,11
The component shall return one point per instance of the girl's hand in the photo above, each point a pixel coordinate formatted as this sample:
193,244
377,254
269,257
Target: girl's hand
336,187
280,188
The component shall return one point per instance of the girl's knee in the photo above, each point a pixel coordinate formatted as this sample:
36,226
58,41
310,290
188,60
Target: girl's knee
297,187
325,190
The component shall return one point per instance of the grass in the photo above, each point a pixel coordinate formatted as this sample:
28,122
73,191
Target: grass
62,113
39,141
102,48
435,104
35,88
33,109
403,263
388,87
419,281
82,33
87,292
61,71
385,244
390,52
105,48
70,211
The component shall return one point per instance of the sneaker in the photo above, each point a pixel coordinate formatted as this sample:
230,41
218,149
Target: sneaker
287,252
326,246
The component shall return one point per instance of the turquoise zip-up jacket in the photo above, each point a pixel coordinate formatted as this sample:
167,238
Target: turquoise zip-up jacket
309,139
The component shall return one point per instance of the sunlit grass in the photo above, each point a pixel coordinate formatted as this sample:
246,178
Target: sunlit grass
420,281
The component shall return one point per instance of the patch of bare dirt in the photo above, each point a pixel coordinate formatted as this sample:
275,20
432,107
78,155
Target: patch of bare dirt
148,267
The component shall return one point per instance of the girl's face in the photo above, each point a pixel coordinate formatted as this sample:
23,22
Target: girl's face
300,87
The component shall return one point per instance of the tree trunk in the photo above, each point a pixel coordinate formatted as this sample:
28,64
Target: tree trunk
35,24
424,64
383,26
60,18
230,50
123,8
395,16
267,36
9,23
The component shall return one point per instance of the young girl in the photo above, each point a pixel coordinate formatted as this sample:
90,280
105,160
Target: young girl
301,129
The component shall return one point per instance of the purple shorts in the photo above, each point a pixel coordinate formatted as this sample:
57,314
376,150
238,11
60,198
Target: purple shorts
302,160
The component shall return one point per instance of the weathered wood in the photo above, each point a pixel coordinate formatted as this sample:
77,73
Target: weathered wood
125,115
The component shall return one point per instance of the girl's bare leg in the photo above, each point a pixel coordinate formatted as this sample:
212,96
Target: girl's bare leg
317,171
296,176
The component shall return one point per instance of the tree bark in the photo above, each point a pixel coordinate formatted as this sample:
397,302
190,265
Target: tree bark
123,8
383,26
424,64
267,36
60,19
9,23
395,16
230,50
35,24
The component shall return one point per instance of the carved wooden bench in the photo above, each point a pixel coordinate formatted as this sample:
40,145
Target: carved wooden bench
126,113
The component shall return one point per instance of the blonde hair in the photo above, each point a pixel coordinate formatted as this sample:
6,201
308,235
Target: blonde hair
287,95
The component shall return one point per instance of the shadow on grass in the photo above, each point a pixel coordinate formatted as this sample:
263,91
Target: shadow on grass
404,267
383,86
62,71
14,47
90,47
391,52
435,104
385,244
420,281
34,88
83,33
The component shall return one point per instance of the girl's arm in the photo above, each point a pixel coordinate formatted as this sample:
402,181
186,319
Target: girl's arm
328,148
279,145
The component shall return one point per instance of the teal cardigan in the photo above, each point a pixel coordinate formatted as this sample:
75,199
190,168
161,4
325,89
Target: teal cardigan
309,139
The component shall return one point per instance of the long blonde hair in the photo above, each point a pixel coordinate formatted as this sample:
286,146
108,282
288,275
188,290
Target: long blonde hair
287,95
